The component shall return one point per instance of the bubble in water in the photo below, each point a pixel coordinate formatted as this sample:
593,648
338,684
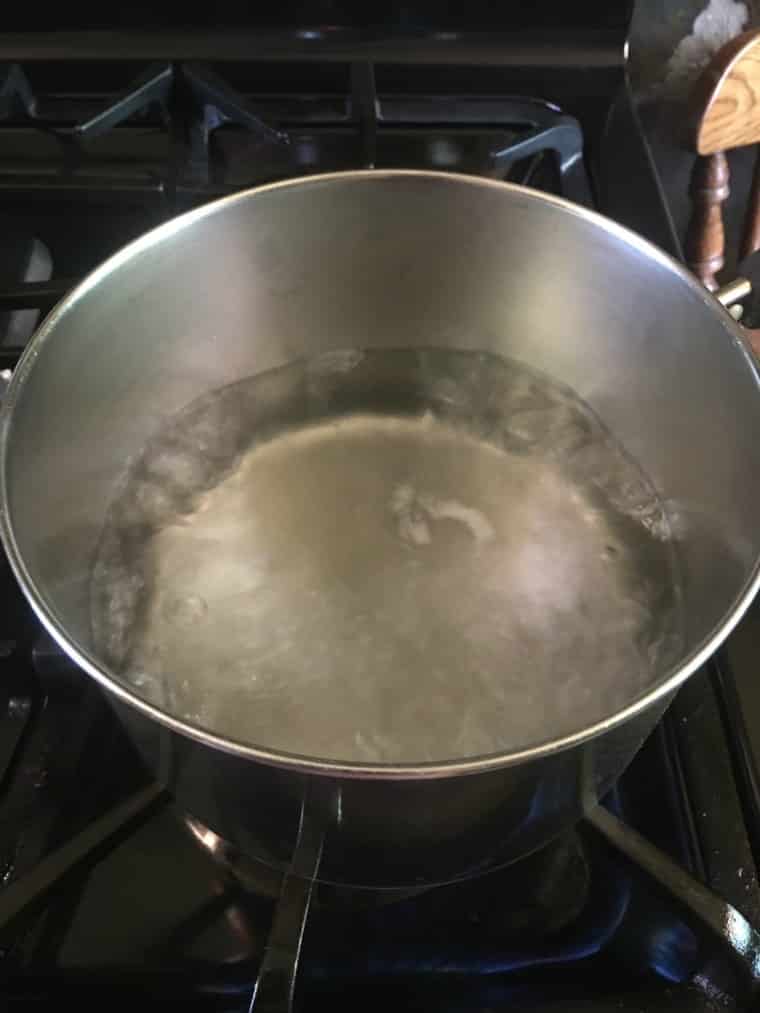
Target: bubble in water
415,513
183,610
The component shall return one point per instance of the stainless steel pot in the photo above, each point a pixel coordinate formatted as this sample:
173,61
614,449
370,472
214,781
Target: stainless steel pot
379,259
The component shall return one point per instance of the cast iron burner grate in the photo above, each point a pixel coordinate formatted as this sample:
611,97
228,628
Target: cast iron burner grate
178,134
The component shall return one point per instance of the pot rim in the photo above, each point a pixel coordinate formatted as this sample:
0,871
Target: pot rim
312,765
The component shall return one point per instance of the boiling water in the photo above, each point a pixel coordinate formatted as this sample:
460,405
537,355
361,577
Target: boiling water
399,556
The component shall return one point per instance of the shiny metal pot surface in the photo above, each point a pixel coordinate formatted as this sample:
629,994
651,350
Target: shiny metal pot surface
385,259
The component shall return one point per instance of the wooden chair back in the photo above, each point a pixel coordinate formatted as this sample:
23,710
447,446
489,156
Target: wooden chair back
724,114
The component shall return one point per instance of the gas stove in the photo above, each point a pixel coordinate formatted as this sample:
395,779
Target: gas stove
108,890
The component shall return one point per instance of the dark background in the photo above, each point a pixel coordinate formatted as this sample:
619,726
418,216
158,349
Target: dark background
517,14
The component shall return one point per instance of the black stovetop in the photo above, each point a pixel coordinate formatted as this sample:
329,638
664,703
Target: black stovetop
104,134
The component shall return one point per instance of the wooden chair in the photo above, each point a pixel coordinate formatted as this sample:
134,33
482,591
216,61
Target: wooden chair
725,114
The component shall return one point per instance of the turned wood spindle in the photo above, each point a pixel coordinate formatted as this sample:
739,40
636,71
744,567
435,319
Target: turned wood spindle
705,239
751,237
724,114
